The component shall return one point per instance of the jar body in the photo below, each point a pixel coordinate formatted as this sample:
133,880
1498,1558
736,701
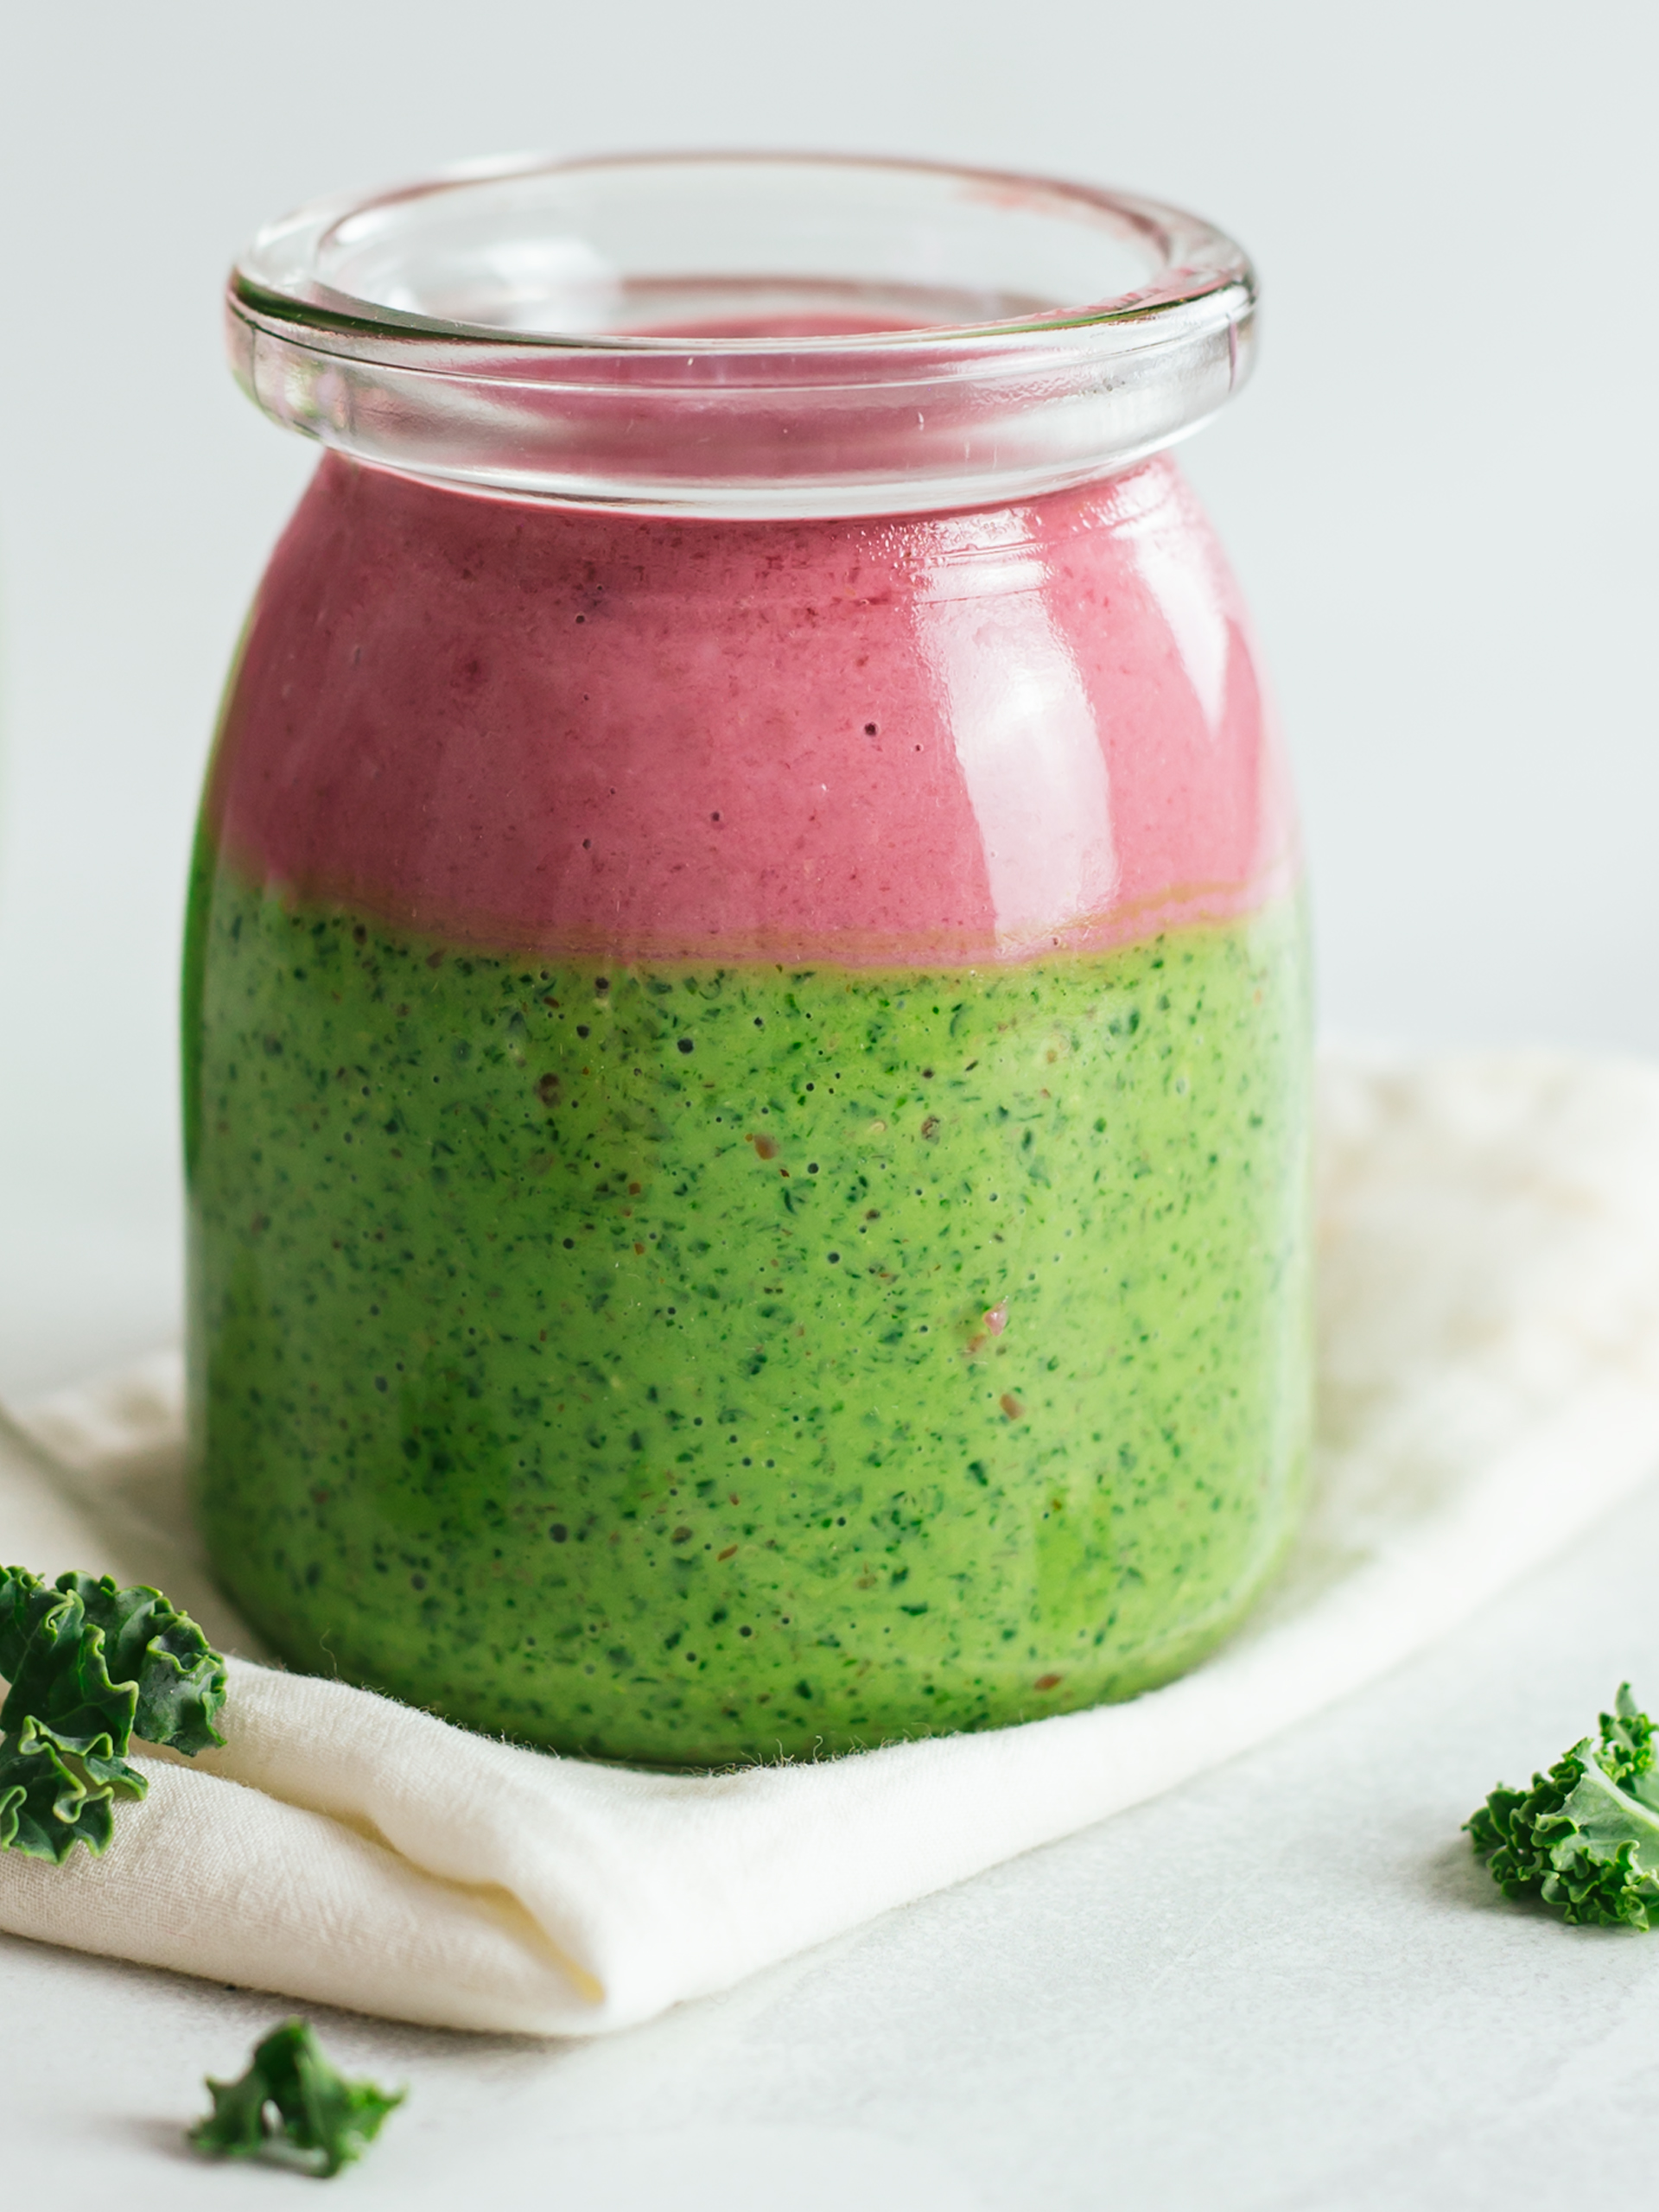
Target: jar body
747,1115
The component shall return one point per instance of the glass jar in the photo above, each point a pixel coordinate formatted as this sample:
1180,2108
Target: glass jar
747,1018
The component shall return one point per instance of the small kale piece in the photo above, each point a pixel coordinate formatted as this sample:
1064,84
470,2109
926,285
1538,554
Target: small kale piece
89,1666
1584,1837
293,2105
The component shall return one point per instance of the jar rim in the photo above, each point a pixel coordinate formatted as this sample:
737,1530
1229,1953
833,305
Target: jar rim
876,335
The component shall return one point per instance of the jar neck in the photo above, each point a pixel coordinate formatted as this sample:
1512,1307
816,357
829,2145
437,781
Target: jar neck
744,337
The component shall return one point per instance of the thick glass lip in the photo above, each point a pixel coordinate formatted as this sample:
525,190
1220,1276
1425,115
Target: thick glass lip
743,334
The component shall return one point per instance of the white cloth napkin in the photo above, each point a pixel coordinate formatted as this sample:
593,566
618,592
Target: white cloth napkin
1489,1377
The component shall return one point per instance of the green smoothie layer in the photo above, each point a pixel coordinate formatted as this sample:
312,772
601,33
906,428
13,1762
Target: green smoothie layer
684,1364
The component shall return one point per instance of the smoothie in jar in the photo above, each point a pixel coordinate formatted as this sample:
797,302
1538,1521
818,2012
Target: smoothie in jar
747,1117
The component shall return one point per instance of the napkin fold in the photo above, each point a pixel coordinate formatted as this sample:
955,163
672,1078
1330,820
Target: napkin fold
1489,1288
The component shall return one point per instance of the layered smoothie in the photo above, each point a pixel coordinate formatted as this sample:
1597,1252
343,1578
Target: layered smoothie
747,1118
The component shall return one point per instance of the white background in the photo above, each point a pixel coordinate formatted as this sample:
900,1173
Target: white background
1439,491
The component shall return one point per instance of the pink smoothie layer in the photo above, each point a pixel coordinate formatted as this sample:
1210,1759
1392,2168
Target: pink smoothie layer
969,737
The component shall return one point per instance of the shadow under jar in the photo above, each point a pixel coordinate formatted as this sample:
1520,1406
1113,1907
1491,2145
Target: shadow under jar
746,1018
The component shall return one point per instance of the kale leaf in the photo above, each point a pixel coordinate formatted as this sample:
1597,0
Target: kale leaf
1584,1837
56,1791
89,1667
292,2105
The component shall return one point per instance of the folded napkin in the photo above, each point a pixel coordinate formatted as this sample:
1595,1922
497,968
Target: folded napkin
1489,1383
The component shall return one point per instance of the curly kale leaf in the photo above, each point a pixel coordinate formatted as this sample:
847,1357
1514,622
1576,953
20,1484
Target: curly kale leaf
89,1666
179,1678
293,2105
1584,1837
56,1791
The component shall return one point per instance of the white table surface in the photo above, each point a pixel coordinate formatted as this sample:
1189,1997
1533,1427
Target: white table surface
1286,1984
